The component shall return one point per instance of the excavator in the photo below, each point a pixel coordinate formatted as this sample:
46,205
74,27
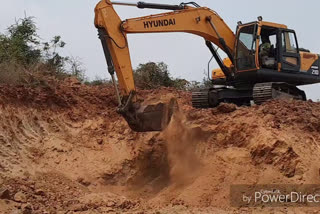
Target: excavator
245,76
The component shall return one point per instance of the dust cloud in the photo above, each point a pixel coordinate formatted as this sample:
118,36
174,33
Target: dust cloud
181,141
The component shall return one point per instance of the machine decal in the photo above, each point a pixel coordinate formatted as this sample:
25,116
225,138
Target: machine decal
159,23
315,70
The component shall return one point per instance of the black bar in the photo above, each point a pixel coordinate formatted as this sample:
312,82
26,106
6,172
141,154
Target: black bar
226,49
221,40
143,5
225,70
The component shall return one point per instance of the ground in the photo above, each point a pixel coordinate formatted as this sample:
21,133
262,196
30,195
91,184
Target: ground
66,150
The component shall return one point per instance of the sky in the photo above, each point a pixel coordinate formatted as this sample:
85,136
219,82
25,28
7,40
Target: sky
185,54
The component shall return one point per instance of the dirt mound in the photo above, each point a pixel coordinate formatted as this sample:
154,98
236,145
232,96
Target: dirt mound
64,150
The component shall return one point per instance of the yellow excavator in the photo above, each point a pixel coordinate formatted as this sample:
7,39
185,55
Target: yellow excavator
264,60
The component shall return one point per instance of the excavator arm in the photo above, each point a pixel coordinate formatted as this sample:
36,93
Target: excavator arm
113,32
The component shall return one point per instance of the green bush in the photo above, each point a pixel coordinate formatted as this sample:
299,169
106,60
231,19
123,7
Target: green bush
154,75
22,53
19,44
195,85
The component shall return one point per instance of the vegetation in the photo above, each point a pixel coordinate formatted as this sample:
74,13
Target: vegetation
154,75
24,58
19,43
99,81
193,85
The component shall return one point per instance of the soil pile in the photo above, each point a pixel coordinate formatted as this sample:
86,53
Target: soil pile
65,150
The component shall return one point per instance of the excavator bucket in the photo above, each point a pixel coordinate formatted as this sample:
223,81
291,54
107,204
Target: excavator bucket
148,118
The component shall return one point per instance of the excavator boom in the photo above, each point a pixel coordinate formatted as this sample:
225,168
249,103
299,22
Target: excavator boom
113,32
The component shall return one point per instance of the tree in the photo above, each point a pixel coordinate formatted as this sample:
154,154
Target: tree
152,75
76,68
51,56
20,43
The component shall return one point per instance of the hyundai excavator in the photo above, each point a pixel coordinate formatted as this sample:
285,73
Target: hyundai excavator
245,76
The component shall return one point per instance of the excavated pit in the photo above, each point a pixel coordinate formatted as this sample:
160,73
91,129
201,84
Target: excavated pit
65,150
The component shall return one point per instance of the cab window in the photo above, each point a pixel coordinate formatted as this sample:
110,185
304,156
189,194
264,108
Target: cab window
289,42
246,48
289,45
268,48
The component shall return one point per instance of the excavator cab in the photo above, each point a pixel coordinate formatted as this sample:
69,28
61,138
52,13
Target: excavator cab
266,45
268,64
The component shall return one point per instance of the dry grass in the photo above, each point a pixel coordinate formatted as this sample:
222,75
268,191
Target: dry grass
39,74
12,74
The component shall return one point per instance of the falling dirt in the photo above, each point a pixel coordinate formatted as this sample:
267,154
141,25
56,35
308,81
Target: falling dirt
181,142
64,150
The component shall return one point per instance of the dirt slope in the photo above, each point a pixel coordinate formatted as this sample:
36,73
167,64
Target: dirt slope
65,150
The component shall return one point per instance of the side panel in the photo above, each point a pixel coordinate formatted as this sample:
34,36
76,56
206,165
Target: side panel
310,63
307,60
